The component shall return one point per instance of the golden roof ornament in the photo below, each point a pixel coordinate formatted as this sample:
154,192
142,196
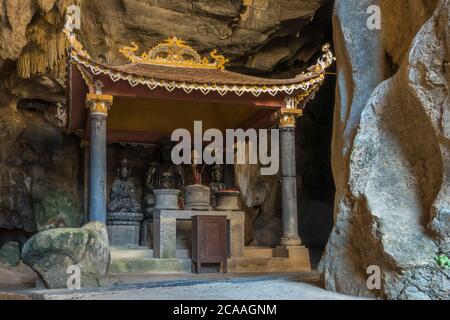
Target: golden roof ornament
174,52
323,62
75,45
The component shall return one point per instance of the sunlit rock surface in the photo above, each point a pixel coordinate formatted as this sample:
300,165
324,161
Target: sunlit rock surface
50,253
391,159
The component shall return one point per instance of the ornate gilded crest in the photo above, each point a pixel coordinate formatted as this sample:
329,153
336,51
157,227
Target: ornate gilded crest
323,62
174,52
75,45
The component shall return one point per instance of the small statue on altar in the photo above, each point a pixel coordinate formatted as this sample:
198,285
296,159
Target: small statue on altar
162,175
217,183
123,196
149,186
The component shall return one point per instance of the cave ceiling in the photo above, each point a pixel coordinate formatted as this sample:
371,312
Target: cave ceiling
274,38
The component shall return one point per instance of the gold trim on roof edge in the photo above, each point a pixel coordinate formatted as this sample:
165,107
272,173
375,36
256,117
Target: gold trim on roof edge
174,52
79,55
205,88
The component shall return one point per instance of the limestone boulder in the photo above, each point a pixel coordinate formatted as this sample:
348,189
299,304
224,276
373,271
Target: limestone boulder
98,257
260,199
391,165
50,253
401,20
356,47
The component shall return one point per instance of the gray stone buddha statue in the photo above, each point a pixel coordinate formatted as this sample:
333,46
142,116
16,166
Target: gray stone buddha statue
123,196
217,183
124,209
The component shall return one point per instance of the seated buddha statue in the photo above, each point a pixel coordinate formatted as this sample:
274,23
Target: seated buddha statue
162,174
123,196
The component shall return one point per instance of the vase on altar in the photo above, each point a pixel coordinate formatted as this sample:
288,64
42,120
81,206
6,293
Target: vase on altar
197,197
166,199
228,200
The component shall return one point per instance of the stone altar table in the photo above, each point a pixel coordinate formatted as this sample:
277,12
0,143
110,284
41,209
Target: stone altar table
164,230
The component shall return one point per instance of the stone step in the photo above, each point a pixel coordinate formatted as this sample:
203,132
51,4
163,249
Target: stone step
244,265
141,260
269,265
142,252
183,254
255,260
150,265
258,252
235,265
131,253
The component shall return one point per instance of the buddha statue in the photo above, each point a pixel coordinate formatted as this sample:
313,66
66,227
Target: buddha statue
162,174
123,196
217,183
124,209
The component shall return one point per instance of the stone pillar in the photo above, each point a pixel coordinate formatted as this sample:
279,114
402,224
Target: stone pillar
164,235
98,107
288,177
86,176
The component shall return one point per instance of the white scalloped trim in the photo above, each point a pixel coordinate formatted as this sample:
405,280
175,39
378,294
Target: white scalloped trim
205,88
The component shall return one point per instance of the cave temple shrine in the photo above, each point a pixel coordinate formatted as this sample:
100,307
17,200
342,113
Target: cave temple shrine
168,87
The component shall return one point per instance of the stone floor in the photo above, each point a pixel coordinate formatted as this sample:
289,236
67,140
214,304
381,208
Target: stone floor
298,286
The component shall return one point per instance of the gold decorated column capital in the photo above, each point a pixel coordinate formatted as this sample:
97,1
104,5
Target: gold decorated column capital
287,116
99,104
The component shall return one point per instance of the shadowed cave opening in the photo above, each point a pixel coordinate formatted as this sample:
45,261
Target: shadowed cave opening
315,183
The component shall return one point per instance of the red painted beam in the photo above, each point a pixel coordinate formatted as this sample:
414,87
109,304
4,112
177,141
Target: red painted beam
123,89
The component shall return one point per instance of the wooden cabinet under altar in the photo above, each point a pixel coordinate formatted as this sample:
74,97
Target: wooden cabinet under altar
209,241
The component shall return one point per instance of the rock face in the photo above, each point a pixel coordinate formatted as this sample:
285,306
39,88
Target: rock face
14,273
10,254
261,202
39,172
391,158
50,253
39,166
19,277
244,31
256,35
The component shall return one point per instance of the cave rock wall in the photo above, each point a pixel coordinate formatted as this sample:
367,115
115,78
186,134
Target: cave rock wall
391,153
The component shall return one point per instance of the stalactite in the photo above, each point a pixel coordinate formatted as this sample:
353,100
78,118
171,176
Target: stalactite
46,49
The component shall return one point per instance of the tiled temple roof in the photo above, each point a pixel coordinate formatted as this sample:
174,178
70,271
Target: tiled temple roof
175,65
